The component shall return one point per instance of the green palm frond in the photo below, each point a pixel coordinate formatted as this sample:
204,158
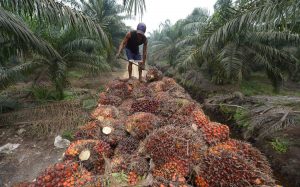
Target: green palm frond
135,6
84,44
9,76
55,12
15,28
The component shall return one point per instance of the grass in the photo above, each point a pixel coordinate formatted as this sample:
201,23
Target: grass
280,145
76,74
259,84
241,117
44,94
68,134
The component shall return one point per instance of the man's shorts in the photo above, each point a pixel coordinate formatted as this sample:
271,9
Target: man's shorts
132,56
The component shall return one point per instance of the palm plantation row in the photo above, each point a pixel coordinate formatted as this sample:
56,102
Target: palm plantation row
47,37
241,37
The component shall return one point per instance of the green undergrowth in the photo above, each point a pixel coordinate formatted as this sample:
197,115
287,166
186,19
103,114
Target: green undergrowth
44,94
280,145
259,84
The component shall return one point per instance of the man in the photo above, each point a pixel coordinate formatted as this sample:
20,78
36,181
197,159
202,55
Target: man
131,42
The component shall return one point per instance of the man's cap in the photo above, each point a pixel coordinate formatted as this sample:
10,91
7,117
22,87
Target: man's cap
141,28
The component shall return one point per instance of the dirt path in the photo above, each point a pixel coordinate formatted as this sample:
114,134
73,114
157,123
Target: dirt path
34,155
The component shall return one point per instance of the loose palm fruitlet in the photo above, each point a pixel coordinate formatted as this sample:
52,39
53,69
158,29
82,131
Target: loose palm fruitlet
227,168
140,124
246,150
98,150
171,142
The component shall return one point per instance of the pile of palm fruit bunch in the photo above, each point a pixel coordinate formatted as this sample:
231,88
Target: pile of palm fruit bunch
154,134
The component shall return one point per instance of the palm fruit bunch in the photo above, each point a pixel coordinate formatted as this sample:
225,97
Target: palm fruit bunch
168,107
140,124
215,133
144,105
246,151
91,130
172,170
158,86
200,118
175,182
138,164
127,146
141,91
98,149
119,88
153,74
188,108
106,99
125,107
63,174
105,112
176,143
119,162
180,121
170,83
227,168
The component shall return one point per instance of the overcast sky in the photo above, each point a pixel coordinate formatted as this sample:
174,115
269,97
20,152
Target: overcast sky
160,10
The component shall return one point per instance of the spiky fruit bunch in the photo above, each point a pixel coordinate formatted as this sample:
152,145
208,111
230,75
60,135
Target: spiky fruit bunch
200,118
144,105
138,164
119,88
162,97
106,99
141,91
180,121
115,137
169,107
105,112
188,107
120,162
172,170
200,182
140,124
157,86
98,150
153,74
174,142
214,133
227,168
175,182
63,174
91,130
127,146
246,151
170,83
125,107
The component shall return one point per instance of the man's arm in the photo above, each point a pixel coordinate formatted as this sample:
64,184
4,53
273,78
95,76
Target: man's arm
124,43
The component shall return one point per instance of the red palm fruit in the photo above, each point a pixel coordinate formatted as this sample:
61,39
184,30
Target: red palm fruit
119,88
227,168
106,99
157,86
174,142
172,170
200,118
247,151
103,112
144,105
215,133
